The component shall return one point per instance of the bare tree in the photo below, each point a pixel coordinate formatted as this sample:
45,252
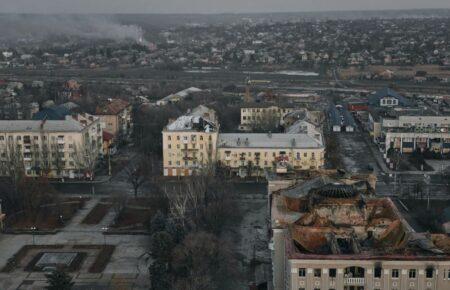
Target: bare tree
85,158
136,176
268,121
203,202
119,201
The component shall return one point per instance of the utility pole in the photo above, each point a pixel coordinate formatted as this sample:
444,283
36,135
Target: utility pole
426,178
109,160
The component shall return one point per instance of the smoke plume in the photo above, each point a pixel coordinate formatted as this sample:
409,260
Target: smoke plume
86,26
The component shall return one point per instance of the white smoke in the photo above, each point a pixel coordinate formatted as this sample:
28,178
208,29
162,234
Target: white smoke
85,26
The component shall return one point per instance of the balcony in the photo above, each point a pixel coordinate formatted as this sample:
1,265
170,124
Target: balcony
354,281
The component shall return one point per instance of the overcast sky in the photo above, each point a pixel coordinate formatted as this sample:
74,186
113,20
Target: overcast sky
208,6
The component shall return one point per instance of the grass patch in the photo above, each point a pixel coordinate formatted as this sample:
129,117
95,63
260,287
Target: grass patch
97,214
133,218
47,217
102,259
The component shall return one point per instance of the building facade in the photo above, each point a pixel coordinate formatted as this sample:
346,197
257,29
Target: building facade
251,116
189,143
247,154
66,148
115,117
330,232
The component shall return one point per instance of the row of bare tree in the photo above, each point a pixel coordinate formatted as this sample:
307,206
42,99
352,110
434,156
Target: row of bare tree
190,245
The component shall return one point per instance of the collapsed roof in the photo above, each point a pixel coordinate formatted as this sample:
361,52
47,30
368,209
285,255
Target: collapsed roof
342,219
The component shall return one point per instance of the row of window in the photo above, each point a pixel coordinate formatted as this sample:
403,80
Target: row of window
194,146
186,138
27,138
395,273
266,154
257,110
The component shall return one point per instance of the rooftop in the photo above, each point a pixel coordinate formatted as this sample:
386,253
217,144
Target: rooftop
340,218
67,125
262,140
196,120
112,107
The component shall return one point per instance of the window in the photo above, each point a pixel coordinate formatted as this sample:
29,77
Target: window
332,273
2,138
394,273
301,272
170,146
448,274
412,273
36,137
178,138
305,154
169,137
317,272
429,272
18,138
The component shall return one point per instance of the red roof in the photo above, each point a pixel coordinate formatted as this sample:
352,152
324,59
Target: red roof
113,107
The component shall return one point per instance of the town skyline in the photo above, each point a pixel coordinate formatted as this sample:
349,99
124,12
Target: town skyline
211,7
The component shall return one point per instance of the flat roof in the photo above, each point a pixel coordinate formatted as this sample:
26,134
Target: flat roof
67,125
263,140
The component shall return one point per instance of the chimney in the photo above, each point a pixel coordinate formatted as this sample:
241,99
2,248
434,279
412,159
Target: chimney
238,142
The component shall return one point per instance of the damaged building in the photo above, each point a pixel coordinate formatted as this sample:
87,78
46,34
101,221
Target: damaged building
329,231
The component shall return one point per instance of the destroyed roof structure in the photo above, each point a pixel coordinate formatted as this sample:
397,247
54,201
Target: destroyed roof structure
328,218
199,119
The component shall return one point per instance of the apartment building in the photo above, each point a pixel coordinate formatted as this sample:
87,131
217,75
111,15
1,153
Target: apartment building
329,231
251,116
247,154
189,142
66,148
115,116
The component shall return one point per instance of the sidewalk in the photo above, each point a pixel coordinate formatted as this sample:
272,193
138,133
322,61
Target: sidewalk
97,180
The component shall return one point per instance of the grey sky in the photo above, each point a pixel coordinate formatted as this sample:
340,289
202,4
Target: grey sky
208,6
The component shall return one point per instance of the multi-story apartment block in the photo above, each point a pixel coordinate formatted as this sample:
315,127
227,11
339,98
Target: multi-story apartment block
331,232
189,142
250,153
193,141
251,116
115,116
54,148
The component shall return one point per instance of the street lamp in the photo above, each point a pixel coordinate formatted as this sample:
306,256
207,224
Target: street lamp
104,229
33,230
